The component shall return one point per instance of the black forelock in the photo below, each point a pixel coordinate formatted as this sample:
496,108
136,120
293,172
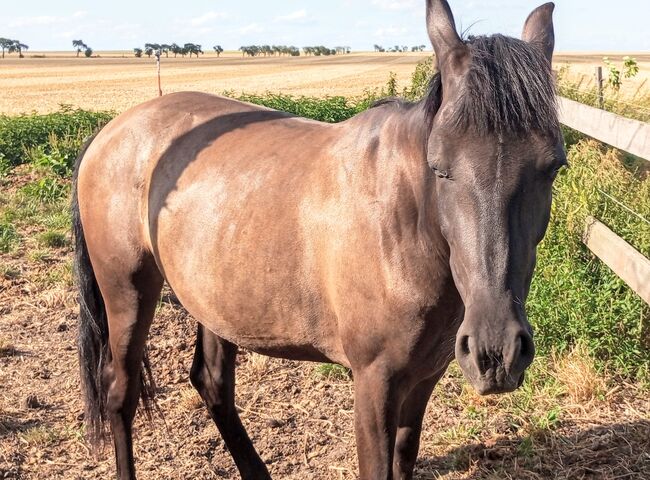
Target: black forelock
508,89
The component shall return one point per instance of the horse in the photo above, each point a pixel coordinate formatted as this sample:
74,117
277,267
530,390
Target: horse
389,243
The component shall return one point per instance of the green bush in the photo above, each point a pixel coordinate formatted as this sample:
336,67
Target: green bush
329,109
22,133
47,190
575,298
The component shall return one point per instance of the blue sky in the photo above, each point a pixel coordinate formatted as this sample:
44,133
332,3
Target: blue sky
585,25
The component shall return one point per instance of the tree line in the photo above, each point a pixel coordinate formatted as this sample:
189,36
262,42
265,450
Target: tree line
12,46
15,46
402,49
164,48
280,50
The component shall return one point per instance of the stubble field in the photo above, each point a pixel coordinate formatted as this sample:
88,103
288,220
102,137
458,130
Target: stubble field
569,421
117,81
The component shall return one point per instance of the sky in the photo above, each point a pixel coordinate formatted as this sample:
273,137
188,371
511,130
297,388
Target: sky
581,25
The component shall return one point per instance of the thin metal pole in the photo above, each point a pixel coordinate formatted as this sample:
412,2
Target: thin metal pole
158,65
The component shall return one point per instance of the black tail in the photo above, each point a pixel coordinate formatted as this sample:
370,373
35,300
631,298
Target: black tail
92,338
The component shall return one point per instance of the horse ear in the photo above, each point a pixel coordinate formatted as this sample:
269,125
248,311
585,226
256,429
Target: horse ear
450,50
538,29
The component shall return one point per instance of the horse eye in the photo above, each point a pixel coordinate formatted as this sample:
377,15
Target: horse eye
440,173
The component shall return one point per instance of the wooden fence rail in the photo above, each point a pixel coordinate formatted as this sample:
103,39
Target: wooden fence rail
633,137
631,266
623,133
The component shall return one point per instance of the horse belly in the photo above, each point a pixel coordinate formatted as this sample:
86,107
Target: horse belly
235,257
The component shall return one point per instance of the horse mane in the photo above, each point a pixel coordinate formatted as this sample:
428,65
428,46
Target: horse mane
508,89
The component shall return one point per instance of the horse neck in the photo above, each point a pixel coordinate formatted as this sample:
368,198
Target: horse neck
400,180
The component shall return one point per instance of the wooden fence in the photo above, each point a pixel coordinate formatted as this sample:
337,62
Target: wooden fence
633,137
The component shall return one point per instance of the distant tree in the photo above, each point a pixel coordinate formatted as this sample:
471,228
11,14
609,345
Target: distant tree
88,52
79,45
218,50
193,49
137,52
16,46
175,49
164,48
5,43
150,48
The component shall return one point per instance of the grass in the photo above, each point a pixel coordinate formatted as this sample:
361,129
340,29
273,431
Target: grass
635,106
53,239
44,436
9,238
332,371
60,133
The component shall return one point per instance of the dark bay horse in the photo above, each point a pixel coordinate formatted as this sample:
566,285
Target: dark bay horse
386,243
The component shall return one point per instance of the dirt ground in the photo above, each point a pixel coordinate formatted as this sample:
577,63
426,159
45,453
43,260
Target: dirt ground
300,419
118,80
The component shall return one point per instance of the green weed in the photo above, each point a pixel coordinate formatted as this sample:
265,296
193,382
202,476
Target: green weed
9,238
47,190
332,371
53,239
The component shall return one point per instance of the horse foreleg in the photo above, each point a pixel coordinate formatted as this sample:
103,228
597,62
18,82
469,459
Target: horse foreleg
376,409
213,375
407,443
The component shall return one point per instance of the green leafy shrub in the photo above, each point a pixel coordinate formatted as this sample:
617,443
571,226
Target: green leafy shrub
24,132
575,298
46,190
328,109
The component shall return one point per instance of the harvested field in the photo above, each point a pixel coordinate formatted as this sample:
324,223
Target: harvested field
117,81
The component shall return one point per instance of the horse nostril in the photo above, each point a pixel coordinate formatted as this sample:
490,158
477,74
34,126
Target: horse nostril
464,345
526,348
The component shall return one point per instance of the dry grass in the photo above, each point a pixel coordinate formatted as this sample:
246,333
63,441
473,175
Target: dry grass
577,373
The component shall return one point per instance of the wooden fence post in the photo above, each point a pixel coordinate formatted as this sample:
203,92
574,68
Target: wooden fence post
599,86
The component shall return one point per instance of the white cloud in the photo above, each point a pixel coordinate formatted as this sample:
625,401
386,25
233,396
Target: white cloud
391,31
397,5
80,14
293,16
207,17
39,21
251,28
